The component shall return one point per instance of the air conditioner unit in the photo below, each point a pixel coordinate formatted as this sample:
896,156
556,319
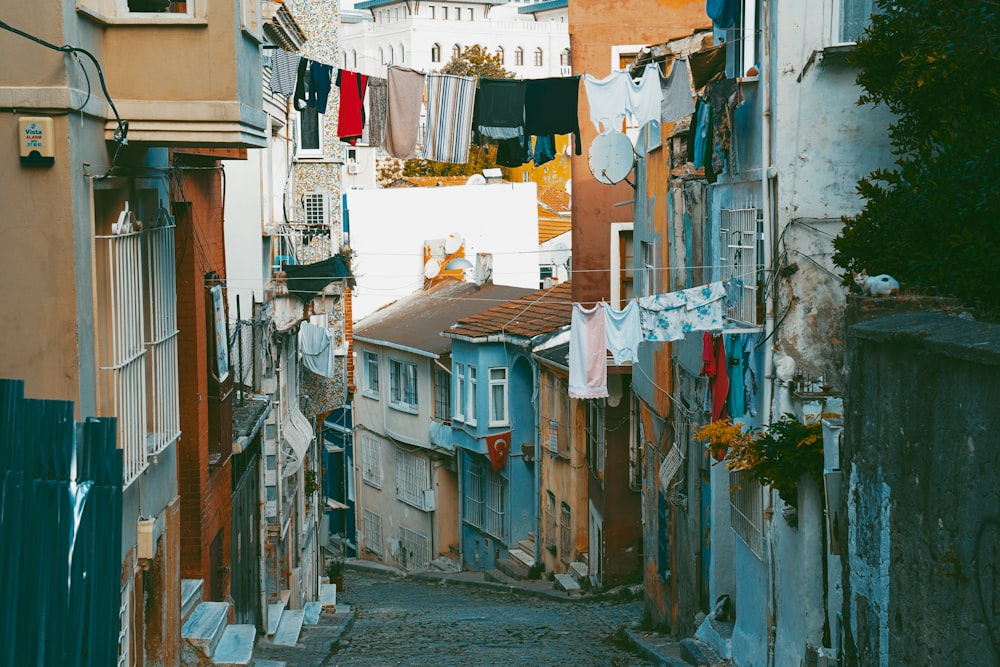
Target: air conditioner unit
353,168
429,499
147,534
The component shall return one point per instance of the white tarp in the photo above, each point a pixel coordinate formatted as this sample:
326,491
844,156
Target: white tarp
297,433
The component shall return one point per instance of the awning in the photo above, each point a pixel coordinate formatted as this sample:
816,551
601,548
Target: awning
336,504
297,433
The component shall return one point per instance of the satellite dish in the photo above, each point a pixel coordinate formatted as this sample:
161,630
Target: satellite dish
476,179
432,268
611,157
452,243
648,139
559,253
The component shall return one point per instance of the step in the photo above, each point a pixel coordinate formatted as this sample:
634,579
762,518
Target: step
498,577
261,662
513,568
445,563
578,571
527,546
204,628
312,612
274,611
191,593
568,583
697,652
525,557
289,628
235,649
328,595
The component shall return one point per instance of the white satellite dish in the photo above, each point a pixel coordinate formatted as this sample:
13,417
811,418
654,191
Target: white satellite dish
648,139
559,254
452,243
476,179
432,268
611,157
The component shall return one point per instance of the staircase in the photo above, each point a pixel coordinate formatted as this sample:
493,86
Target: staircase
519,560
284,625
208,637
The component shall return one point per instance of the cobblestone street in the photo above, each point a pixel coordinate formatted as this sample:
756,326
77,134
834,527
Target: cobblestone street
408,621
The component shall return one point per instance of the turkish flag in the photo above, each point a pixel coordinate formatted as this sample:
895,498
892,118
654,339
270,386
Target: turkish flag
498,445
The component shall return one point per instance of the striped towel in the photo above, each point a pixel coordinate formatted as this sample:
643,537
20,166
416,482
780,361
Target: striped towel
449,117
284,69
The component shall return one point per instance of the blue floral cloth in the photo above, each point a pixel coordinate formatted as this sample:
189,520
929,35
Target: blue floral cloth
667,317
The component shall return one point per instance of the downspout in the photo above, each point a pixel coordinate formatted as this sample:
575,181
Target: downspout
536,401
767,174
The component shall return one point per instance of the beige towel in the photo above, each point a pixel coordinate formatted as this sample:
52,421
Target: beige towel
406,92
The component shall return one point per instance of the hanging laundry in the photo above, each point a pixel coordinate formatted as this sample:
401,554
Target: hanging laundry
623,332
405,88
317,349
722,96
544,150
378,104
318,90
301,85
449,117
707,65
550,107
615,95
700,146
737,395
749,376
351,116
284,70
714,367
734,291
588,369
667,317
678,98
511,152
500,104
722,12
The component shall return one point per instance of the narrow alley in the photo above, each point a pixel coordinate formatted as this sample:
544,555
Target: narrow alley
409,621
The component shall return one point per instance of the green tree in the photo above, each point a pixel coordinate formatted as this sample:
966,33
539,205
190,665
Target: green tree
933,220
472,61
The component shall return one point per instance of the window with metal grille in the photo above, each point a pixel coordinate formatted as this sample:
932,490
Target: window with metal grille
403,384
741,236
472,506
746,502
412,478
442,395
370,370
566,534
414,549
498,397
373,532
314,208
163,421
371,461
550,537
485,498
595,437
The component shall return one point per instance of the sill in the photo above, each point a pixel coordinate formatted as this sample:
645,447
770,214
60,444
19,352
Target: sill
138,18
371,484
368,394
402,407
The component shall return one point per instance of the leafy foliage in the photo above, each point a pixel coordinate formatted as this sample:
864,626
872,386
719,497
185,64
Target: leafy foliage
472,61
932,221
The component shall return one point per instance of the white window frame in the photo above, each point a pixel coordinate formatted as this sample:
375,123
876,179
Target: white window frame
499,384
746,510
373,531
435,48
316,208
370,374
519,57
472,388
539,57
302,153
400,385
501,55
371,461
648,277
413,478
836,20
459,397
117,12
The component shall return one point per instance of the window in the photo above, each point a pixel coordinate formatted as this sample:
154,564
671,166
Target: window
647,279
314,205
125,625
310,134
403,384
746,509
565,534
163,420
354,59
402,54
381,55
595,437
444,13
460,392
369,361
742,38
854,16
662,536
412,478
458,13
557,407
472,14
564,59
485,497
371,461
741,244
500,55
373,532
550,534
518,57
436,49
432,16
456,50
498,397
470,409
391,55
442,395
414,549
538,57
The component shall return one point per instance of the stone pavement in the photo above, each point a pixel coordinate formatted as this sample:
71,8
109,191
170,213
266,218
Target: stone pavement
315,645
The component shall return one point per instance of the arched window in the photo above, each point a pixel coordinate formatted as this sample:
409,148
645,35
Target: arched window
518,56
564,59
456,51
436,53
402,54
500,55
390,61
381,55
538,57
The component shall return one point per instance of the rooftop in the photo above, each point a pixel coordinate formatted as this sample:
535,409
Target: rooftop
541,312
415,321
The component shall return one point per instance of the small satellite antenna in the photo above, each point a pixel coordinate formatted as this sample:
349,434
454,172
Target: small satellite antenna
611,157
452,243
559,253
432,268
648,139
476,179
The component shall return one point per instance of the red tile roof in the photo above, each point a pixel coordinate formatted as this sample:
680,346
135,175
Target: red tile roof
541,312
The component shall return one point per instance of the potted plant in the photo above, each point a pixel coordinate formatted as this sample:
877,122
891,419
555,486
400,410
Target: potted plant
335,572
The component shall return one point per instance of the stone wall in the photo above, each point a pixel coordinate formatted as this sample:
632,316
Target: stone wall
921,457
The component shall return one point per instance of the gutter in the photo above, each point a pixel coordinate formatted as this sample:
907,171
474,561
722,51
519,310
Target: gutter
397,346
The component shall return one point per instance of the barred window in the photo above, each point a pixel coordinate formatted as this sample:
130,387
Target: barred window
371,461
412,478
566,534
485,498
442,395
414,549
373,532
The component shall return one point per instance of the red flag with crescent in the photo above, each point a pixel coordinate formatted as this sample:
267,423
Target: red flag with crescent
498,446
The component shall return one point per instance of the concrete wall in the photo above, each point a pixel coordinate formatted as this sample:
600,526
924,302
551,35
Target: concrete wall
922,453
389,227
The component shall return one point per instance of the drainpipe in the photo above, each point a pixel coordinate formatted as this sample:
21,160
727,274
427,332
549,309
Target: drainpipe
767,174
536,401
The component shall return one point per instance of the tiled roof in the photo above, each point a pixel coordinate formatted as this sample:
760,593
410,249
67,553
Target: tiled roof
416,320
541,312
551,203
